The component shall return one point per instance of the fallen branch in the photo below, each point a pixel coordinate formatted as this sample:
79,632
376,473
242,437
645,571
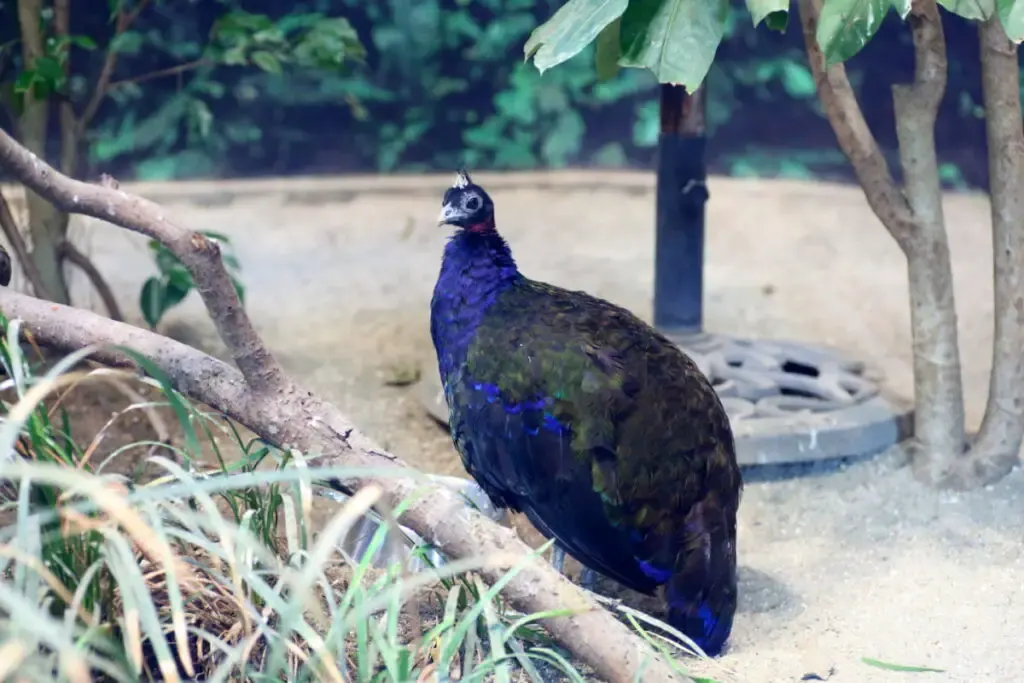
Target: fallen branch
259,395
68,252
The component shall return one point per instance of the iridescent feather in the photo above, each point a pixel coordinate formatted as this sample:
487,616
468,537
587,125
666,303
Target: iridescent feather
578,414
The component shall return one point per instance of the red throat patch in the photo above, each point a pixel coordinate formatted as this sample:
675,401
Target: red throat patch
485,226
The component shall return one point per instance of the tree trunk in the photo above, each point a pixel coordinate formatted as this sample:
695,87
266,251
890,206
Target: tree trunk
939,433
997,448
47,225
914,218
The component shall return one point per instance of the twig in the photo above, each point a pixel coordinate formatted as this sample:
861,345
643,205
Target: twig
854,135
997,448
262,398
67,251
17,242
124,22
161,73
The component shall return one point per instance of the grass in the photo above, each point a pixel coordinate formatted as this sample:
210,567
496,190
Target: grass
215,568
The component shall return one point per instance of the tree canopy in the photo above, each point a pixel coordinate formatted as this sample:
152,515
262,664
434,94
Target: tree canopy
677,39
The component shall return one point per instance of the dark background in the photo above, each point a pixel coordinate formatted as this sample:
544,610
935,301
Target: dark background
444,84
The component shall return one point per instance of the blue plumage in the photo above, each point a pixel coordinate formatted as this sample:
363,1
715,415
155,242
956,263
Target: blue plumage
579,415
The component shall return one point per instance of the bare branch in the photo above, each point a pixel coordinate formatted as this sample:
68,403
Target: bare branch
102,87
199,254
31,31
14,238
69,129
162,73
997,448
67,251
300,420
854,135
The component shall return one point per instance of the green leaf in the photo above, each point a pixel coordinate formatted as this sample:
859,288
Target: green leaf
266,61
846,26
219,236
178,404
151,301
23,83
84,42
573,27
200,117
797,80
48,68
127,43
1011,15
764,9
175,291
179,280
777,21
902,7
975,10
675,39
607,52
879,664
239,289
565,140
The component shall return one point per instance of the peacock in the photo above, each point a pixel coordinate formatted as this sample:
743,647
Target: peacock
576,413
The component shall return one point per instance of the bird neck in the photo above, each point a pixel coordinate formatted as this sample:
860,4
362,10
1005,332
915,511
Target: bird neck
476,268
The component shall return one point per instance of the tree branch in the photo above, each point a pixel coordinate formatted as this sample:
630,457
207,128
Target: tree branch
854,135
103,83
67,251
17,242
285,414
199,254
161,73
70,132
997,448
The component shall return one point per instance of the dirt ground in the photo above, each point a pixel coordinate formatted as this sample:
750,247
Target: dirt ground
838,562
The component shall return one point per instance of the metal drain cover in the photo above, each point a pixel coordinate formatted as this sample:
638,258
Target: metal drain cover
788,402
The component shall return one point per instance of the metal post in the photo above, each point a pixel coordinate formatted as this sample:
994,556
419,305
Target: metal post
682,193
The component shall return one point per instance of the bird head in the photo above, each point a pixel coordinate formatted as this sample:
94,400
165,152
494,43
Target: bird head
467,206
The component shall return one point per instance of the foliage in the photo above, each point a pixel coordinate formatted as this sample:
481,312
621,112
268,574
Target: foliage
217,566
464,96
179,134
162,292
677,39
237,40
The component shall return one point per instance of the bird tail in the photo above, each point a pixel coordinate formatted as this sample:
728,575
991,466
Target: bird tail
701,594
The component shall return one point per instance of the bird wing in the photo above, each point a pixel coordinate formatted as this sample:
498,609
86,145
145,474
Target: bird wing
584,418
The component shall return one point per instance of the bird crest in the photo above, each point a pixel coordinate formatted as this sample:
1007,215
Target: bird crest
462,180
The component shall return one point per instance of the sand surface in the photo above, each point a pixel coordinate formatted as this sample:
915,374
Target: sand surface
837,563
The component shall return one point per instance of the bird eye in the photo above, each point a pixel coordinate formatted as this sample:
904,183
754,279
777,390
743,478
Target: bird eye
473,203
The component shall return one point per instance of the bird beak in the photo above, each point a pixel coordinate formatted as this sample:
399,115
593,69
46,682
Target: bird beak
448,212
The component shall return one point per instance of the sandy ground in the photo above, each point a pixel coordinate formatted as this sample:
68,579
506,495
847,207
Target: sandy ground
837,563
